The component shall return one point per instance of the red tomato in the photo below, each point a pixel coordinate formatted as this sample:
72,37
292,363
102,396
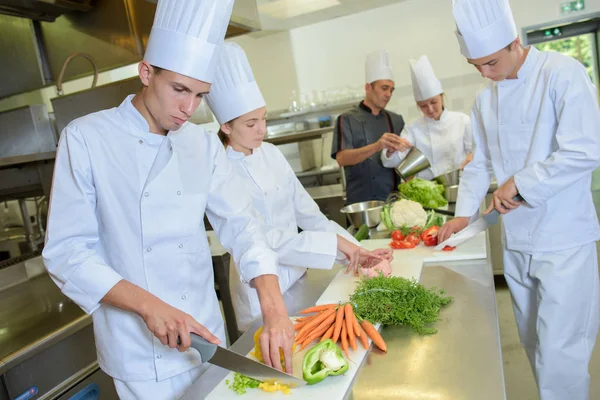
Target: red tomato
449,248
429,237
397,236
402,244
413,238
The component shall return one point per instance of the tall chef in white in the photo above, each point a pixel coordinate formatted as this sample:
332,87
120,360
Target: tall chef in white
536,128
126,239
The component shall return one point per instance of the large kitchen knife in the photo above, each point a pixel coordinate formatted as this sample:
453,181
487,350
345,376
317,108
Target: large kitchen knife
473,229
237,363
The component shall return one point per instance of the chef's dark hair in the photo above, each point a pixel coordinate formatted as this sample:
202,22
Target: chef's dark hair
223,137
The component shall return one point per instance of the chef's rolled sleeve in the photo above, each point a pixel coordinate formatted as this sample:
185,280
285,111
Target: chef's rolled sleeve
69,253
342,136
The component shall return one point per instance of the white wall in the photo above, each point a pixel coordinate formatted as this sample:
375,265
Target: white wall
273,65
331,53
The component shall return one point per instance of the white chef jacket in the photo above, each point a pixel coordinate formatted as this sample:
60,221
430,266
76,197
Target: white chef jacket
445,143
282,205
543,128
129,204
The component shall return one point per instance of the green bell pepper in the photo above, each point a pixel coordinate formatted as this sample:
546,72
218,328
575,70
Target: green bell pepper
323,360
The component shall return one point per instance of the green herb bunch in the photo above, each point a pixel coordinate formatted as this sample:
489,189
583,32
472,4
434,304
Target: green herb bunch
399,301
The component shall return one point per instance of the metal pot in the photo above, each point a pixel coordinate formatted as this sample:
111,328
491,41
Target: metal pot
449,178
413,163
365,213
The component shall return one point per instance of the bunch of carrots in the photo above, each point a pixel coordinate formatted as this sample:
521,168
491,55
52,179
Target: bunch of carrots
338,323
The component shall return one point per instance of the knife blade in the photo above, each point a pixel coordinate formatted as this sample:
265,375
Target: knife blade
235,362
474,229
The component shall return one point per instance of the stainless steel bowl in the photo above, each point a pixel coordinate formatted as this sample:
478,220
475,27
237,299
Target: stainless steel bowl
451,193
413,163
367,213
449,178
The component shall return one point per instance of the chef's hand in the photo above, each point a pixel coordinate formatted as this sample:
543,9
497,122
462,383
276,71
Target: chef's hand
389,141
277,333
169,324
355,254
385,254
467,160
502,199
454,225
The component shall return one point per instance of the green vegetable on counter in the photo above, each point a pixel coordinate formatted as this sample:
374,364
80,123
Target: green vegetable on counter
241,383
363,233
324,359
429,194
399,301
434,219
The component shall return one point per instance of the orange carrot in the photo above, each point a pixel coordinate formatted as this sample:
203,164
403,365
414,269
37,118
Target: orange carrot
312,336
300,324
302,319
355,326
316,321
373,334
328,334
339,320
344,340
320,329
317,308
363,338
349,328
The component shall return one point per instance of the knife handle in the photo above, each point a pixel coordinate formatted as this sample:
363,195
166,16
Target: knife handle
518,197
206,349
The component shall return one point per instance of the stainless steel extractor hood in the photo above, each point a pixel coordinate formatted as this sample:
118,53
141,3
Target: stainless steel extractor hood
42,10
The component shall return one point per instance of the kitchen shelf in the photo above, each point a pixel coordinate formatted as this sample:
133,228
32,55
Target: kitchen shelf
295,137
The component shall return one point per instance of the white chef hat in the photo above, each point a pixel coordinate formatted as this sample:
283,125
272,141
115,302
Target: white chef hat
378,66
483,26
234,91
424,82
186,36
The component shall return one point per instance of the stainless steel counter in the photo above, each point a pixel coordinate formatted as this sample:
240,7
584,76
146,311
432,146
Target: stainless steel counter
35,315
462,361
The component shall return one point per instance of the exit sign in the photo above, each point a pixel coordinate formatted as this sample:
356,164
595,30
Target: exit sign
572,7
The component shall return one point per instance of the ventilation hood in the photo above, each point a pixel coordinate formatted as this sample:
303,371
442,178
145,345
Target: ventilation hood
42,10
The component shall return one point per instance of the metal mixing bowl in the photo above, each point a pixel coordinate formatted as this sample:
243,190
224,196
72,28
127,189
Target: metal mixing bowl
364,213
413,163
449,178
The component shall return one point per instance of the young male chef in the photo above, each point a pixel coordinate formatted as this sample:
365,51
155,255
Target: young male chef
363,132
536,128
126,239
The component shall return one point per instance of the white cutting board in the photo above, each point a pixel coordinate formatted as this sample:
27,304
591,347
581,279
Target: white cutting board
331,388
407,263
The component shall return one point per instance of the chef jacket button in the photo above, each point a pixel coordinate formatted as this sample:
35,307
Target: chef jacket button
501,123
184,297
146,194
141,141
179,192
149,249
159,356
181,246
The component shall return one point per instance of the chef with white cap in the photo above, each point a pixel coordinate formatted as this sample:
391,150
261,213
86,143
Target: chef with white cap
279,198
126,238
443,136
363,132
535,127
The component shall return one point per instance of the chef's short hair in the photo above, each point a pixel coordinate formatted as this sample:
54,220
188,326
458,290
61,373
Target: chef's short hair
157,70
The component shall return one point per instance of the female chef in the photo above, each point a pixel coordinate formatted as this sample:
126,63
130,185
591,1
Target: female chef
280,200
443,136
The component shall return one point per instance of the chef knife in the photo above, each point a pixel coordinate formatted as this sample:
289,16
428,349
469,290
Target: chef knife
235,362
473,229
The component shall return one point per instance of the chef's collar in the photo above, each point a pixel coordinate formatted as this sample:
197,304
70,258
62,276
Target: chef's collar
238,155
368,109
137,121
525,70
